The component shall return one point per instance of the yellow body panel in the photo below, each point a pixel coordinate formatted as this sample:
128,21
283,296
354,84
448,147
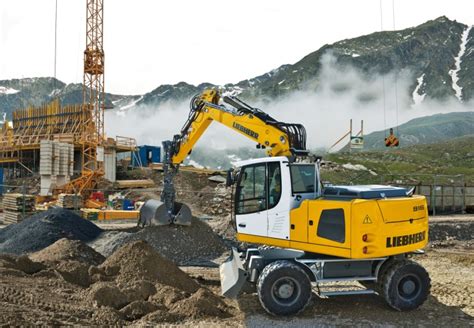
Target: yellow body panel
263,240
393,226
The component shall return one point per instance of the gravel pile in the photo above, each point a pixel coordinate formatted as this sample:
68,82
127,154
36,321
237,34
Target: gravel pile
451,231
45,228
184,245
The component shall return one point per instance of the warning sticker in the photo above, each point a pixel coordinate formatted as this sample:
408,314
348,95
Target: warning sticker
367,220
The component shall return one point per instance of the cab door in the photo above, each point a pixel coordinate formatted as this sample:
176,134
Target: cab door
251,201
279,199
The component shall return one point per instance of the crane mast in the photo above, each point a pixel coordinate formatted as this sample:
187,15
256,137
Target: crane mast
93,90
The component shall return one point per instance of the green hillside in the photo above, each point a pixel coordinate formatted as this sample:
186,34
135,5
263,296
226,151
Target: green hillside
427,129
410,164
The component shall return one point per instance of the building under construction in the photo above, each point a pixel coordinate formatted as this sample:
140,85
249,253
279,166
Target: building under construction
68,141
20,139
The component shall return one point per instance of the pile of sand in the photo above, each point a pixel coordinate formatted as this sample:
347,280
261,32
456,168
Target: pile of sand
138,260
135,284
66,249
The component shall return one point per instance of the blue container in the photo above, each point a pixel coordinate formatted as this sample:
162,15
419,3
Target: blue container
146,155
127,205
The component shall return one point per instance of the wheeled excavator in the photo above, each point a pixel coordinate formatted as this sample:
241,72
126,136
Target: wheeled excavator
310,237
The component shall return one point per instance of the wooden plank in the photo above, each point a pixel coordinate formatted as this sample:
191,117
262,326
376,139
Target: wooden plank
146,183
118,215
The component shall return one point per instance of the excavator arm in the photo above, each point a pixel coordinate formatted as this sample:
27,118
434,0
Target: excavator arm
279,138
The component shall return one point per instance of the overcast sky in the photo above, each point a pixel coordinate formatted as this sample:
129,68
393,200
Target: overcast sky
153,42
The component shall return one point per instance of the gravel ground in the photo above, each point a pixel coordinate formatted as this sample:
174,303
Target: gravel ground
451,303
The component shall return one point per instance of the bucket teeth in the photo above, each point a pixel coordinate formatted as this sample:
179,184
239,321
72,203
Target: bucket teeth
183,215
155,213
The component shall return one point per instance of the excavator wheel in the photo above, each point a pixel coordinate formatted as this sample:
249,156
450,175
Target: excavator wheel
284,288
406,285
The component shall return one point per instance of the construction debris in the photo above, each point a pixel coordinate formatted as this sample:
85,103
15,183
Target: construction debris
217,178
188,168
146,183
16,207
70,201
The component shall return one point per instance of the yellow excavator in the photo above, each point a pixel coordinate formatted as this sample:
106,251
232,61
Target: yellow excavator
309,235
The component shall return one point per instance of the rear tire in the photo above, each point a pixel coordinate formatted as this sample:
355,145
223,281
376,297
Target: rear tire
406,285
284,288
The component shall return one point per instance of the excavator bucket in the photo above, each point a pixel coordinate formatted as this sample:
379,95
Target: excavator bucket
155,213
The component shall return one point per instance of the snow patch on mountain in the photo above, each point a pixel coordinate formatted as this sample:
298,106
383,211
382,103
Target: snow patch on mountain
417,96
457,64
8,91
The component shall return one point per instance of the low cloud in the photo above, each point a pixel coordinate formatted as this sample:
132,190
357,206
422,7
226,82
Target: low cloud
324,108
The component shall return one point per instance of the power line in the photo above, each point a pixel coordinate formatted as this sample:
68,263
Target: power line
55,38
396,72
383,79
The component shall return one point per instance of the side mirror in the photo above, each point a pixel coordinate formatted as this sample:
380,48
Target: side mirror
230,178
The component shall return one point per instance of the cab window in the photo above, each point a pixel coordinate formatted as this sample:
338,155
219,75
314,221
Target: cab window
259,188
251,194
303,178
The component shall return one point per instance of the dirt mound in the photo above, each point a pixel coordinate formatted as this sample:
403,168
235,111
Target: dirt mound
107,294
20,263
138,260
43,229
66,249
74,272
203,303
138,309
184,245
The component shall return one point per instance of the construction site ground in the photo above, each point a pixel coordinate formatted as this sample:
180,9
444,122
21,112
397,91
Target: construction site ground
116,278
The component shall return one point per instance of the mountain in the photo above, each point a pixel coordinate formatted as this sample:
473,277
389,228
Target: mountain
436,58
21,93
429,52
425,130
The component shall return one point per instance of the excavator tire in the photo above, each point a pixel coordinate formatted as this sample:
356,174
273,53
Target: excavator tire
406,285
284,288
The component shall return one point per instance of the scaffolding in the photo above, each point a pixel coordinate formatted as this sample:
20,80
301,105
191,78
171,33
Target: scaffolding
32,125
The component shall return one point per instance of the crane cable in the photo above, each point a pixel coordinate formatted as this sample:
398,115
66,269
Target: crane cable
55,38
383,80
396,74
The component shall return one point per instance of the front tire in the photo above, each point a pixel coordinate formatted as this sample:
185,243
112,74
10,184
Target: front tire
283,288
406,285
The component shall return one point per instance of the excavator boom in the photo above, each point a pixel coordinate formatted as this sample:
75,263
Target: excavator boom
279,138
